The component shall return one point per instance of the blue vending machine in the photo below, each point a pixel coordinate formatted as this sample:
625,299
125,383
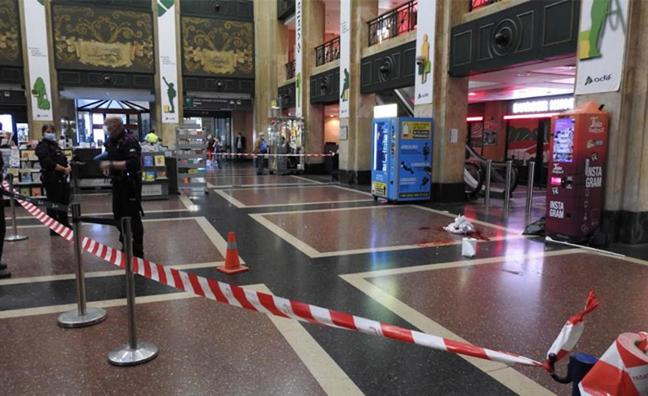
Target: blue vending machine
402,149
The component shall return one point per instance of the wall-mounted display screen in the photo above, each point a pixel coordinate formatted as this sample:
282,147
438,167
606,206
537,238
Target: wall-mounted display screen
563,143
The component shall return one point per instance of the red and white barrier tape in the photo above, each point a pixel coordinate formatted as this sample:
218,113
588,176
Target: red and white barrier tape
270,155
278,306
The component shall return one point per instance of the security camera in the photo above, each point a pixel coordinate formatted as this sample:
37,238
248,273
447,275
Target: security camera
420,61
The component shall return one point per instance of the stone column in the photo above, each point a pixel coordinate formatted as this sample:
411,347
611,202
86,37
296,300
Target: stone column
313,35
355,153
35,126
449,108
625,218
266,32
167,131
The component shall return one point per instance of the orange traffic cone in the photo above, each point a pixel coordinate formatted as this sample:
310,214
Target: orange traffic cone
232,263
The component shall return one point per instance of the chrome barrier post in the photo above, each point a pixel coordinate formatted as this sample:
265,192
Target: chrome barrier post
134,352
82,316
489,167
15,237
507,187
530,183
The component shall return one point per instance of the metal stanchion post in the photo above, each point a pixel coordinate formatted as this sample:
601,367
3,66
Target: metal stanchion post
529,202
82,316
15,237
489,167
134,352
507,187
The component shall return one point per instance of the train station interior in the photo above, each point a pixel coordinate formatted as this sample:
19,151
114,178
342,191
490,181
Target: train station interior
343,197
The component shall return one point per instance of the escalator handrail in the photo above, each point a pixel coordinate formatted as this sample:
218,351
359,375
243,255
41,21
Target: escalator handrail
483,159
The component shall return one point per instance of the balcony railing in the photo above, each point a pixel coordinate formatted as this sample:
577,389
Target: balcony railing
393,23
290,70
327,52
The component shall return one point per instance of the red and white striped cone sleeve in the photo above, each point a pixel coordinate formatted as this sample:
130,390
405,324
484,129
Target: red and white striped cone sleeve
622,370
572,330
278,306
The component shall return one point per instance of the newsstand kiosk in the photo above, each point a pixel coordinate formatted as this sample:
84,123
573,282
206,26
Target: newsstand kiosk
575,188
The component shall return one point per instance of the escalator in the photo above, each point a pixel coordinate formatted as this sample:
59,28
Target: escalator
403,97
475,176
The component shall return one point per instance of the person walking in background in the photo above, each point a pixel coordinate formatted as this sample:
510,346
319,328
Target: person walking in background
240,145
260,148
211,148
124,166
54,173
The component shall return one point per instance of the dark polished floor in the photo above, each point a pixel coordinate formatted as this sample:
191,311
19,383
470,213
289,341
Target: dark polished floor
309,239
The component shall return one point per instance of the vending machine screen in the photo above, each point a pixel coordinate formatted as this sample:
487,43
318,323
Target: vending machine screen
563,144
380,146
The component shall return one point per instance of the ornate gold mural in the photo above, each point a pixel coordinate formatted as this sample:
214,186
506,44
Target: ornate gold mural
217,47
103,38
9,28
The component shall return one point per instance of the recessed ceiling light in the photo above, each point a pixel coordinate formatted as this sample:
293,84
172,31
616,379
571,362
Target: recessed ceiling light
472,94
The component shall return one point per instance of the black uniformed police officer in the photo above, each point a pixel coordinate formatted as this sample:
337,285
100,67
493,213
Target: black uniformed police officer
124,167
54,173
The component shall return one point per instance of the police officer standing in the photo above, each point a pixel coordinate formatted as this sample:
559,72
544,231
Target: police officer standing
124,167
54,173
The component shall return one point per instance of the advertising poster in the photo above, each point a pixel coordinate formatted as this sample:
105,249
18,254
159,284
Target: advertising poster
299,84
168,60
38,61
601,45
345,57
414,156
425,52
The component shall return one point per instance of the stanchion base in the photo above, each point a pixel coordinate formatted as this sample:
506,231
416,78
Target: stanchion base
16,238
127,356
72,319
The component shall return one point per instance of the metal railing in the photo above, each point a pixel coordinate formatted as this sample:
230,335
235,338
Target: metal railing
393,23
290,70
327,52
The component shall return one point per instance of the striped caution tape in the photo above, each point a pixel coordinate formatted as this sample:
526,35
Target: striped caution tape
49,205
271,155
272,305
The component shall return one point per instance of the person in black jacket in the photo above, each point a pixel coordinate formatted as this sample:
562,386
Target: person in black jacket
124,166
54,173
4,272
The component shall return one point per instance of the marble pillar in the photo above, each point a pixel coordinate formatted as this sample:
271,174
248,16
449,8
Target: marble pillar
266,31
449,108
35,126
625,217
355,152
313,35
167,131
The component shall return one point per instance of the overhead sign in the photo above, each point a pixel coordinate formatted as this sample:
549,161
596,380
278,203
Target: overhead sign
38,61
345,57
601,45
299,84
168,60
425,37
542,105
